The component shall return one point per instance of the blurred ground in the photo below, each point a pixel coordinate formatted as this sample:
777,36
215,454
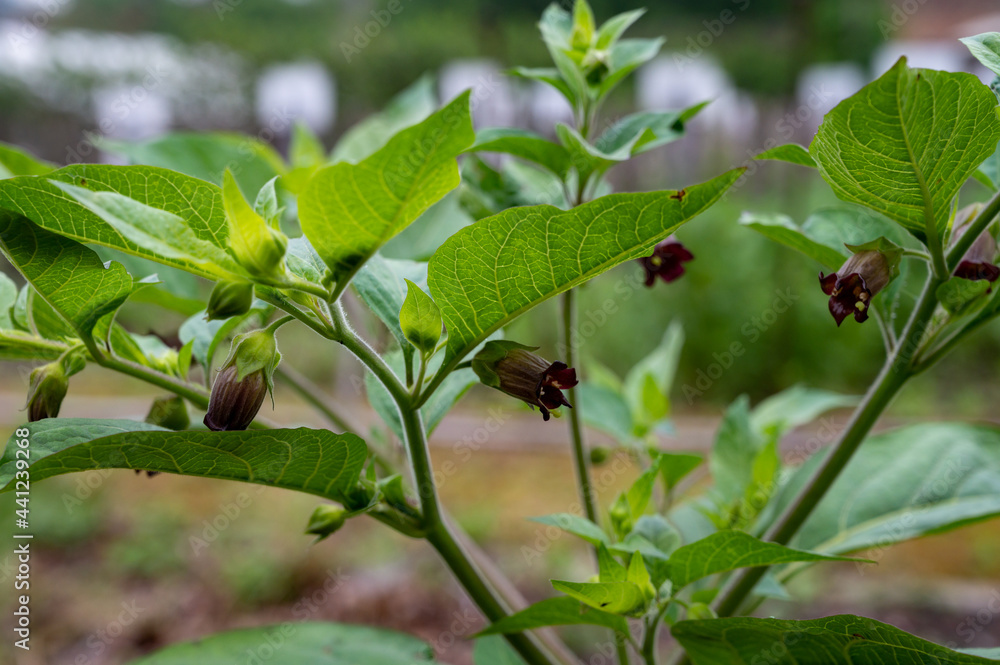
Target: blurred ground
125,564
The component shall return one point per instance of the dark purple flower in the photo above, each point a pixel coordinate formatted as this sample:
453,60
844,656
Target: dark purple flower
978,262
513,368
852,288
666,262
234,403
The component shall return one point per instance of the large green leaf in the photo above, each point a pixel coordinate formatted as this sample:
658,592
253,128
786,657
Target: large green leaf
576,525
70,277
348,211
491,272
641,132
206,155
195,204
737,445
729,550
781,229
299,643
906,143
314,461
841,639
560,611
15,162
903,484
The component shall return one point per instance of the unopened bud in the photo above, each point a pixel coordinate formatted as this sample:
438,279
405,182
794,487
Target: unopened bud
48,385
243,382
229,299
326,519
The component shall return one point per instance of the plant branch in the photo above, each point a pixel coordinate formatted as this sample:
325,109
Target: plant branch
962,244
897,370
580,459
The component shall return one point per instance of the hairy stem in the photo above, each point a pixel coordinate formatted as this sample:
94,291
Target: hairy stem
580,459
897,370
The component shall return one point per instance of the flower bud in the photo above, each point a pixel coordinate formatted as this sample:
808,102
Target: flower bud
852,288
512,368
229,299
599,455
169,412
47,388
979,260
243,382
326,519
666,261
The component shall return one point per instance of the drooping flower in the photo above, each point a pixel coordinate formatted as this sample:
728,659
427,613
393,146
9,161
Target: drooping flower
666,261
979,260
243,382
513,369
852,288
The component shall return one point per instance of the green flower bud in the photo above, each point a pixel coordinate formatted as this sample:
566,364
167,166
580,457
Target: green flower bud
47,388
169,412
599,454
326,519
257,246
229,299
243,381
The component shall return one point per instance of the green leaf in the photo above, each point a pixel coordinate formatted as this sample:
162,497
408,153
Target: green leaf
641,132
494,650
615,597
524,144
781,229
639,576
795,406
194,204
540,251
736,447
658,532
348,211
615,26
958,296
560,611
905,144
842,639
641,491
729,550
793,153
576,525
624,57
206,155
903,484
420,319
548,75
409,107
420,240
659,367
300,643
986,48
306,150
15,162
675,466
609,569
990,169
8,296
313,461
604,409
381,284
70,277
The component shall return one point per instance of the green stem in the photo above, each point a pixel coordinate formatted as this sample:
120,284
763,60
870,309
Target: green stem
621,649
649,639
310,392
962,245
580,459
897,370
